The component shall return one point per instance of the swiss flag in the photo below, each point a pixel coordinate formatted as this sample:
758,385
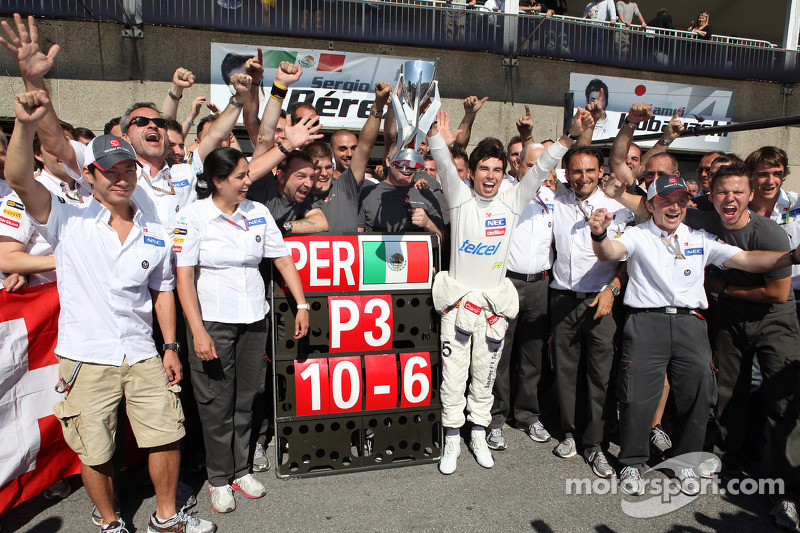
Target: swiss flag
33,454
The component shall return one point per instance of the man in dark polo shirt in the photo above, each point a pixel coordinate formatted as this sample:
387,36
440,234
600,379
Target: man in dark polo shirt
395,205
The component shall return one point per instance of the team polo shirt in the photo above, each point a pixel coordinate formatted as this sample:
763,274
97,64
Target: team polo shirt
340,205
531,250
104,284
481,228
576,267
265,191
17,225
226,251
669,270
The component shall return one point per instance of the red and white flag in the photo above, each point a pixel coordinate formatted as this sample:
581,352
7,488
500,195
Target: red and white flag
33,454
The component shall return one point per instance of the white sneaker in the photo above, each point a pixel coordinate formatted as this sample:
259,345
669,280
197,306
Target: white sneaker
449,458
688,482
710,467
260,459
250,486
481,449
180,523
222,498
630,481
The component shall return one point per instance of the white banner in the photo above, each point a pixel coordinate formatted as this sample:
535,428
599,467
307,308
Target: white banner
711,106
340,85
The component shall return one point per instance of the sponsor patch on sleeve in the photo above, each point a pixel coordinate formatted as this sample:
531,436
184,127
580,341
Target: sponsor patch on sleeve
153,241
9,222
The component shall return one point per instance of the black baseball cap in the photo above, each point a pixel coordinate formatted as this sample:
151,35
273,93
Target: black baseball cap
106,151
663,186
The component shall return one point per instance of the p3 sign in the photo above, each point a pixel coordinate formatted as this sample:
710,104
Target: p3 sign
360,323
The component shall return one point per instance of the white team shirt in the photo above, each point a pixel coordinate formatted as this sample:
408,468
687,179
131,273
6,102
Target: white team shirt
787,214
227,251
17,225
531,250
658,277
5,189
576,267
104,284
481,227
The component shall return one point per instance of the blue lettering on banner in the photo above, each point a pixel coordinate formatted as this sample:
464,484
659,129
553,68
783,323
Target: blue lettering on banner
182,183
479,248
496,223
153,241
693,251
257,221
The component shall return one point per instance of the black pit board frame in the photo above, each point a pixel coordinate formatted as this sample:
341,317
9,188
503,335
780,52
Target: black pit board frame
366,440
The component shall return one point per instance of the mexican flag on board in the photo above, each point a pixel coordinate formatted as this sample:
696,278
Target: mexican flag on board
393,259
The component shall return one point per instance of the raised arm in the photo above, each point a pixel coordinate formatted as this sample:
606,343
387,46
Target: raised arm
622,143
33,65
29,108
287,75
253,68
472,104
181,79
525,126
673,130
220,129
595,109
297,136
369,133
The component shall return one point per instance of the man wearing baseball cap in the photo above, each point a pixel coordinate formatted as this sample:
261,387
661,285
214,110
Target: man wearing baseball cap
664,333
113,264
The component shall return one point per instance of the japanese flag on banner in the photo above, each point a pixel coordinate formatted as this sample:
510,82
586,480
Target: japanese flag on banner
33,454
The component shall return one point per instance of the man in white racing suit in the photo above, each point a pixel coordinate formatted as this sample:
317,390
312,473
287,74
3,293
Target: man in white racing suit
475,298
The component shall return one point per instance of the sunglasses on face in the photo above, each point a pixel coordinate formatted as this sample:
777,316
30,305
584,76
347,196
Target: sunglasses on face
144,121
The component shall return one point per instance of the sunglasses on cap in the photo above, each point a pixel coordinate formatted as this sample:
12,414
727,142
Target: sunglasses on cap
144,121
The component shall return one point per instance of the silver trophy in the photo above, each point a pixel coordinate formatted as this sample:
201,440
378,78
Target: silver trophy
415,101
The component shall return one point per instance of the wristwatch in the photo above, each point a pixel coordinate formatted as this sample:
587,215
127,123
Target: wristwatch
302,306
287,227
234,103
174,346
613,288
375,113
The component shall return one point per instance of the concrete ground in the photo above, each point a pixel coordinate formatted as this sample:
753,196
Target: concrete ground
525,491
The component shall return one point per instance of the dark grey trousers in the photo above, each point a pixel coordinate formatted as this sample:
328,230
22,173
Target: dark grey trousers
775,341
654,345
520,364
225,390
581,344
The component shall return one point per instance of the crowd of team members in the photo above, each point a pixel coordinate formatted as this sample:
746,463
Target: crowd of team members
543,262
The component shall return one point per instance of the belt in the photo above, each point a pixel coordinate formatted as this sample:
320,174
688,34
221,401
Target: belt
579,295
539,276
665,310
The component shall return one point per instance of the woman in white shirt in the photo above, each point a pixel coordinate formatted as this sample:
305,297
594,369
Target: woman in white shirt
219,241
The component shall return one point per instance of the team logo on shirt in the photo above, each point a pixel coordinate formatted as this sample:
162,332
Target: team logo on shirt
793,213
180,231
178,240
496,223
495,232
497,265
153,241
472,308
60,200
145,265
15,205
693,251
177,249
11,213
479,248
257,221
687,272
258,238
182,183
9,222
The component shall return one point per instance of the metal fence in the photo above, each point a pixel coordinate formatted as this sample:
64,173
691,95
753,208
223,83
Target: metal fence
435,24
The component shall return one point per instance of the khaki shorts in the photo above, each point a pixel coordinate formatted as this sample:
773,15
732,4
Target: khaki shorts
88,415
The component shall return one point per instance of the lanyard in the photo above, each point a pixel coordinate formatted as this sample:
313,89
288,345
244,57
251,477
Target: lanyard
538,200
171,186
673,249
75,195
585,216
232,223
